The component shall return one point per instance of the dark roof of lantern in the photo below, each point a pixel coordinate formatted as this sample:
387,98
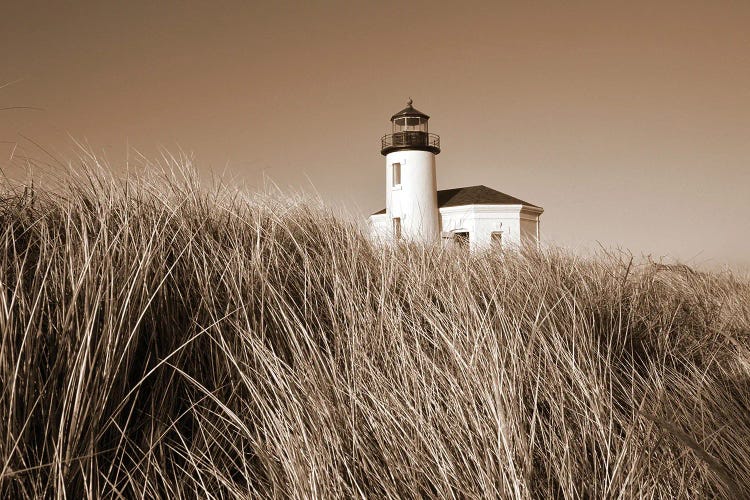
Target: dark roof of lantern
409,111
474,195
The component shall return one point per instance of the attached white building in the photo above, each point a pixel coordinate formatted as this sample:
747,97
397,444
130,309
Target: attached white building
475,216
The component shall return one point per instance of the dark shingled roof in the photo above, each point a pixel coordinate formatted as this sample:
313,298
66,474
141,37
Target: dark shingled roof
474,195
409,111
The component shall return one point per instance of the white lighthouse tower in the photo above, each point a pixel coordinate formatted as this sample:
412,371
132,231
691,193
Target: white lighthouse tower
410,179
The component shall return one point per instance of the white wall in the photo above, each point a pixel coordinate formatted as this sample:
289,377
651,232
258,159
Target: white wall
381,228
529,228
516,223
415,200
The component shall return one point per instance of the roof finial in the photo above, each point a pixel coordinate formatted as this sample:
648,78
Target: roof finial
408,103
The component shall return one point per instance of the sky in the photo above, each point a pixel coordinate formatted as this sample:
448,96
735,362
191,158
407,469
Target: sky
629,122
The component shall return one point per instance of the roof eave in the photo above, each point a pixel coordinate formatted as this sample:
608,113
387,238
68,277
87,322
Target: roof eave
410,112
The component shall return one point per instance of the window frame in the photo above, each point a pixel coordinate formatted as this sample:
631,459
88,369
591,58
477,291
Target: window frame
396,221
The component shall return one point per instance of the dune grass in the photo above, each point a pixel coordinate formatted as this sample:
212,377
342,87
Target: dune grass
159,340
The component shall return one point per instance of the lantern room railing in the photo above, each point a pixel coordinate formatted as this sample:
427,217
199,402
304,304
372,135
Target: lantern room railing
410,140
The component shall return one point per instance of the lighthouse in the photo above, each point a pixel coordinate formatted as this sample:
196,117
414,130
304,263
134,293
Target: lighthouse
472,217
410,178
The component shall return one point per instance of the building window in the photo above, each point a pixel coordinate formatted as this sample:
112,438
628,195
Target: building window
496,238
396,174
461,239
397,228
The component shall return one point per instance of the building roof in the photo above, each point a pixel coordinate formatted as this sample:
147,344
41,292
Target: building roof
474,195
409,111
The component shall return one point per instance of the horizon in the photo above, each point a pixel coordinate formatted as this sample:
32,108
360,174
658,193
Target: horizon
628,125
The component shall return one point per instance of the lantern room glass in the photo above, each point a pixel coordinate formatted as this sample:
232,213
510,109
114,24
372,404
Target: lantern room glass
409,124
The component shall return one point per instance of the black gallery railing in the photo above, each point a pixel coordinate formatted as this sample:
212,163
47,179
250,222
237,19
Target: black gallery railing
410,139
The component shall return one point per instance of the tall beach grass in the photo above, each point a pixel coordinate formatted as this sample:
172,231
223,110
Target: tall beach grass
162,340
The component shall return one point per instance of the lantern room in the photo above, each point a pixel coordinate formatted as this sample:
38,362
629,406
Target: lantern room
409,131
409,120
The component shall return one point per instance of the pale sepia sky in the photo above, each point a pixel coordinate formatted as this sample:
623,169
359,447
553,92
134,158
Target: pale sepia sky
629,122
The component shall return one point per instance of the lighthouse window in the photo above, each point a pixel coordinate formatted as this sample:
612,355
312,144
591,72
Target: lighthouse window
412,121
397,228
497,239
396,174
461,239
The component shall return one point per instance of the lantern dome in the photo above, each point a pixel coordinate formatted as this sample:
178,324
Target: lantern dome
409,110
